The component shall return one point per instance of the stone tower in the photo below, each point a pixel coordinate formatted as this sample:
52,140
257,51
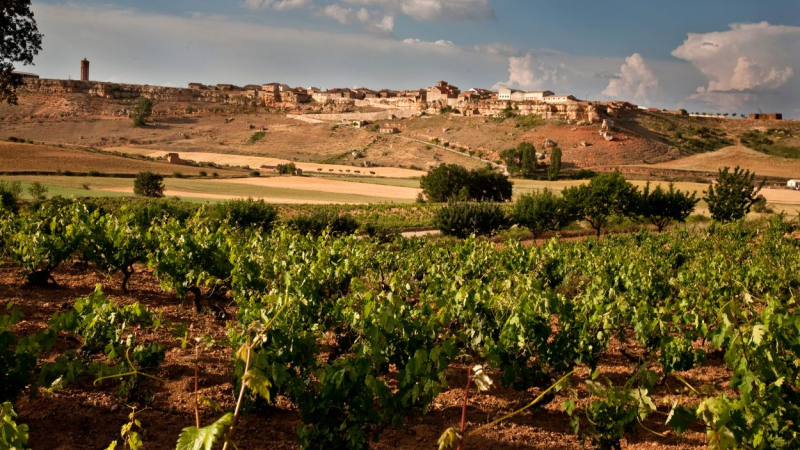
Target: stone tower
85,70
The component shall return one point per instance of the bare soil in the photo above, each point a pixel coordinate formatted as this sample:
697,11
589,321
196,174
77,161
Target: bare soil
15,157
84,416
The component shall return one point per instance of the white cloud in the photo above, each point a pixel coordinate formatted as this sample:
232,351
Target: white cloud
635,81
435,10
744,64
531,72
372,20
276,4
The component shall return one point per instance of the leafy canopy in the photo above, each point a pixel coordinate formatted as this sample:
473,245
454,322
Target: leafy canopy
20,43
661,207
605,196
142,112
731,197
453,182
148,184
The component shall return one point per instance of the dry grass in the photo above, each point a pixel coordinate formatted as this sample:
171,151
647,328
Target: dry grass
760,163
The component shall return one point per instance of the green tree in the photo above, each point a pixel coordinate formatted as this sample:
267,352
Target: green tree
445,182
661,207
520,160
555,164
21,41
461,219
731,197
605,196
542,211
38,191
142,112
486,184
148,184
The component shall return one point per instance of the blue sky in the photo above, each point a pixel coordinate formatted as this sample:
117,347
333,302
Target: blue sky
703,55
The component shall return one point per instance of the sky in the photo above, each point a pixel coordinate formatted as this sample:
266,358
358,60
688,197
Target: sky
702,55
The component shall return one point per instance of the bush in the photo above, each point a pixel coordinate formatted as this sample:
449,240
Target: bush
37,190
316,223
203,173
246,214
255,173
462,219
148,184
286,169
542,211
257,136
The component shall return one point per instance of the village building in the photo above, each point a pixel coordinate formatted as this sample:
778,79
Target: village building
388,129
793,184
762,116
25,74
558,99
442,92
228,87
509,94
537,96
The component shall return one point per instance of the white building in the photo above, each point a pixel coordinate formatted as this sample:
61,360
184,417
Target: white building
558,99
538,96
510,94
793,184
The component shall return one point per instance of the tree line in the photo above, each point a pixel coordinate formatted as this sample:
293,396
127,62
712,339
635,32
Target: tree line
606,197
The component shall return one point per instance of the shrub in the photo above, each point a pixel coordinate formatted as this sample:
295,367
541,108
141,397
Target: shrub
203,173
94,173
255,173
319,221
148,184
37,190
461,219
542,211
257,136
246,214
286,169
732,195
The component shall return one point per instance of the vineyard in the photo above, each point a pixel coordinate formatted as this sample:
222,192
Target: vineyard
358,337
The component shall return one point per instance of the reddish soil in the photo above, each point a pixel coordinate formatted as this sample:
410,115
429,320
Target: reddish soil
84,416
16,157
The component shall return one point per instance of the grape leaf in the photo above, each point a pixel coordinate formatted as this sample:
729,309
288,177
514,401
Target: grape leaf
193,438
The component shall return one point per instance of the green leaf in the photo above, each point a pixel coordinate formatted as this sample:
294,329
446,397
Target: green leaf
681,418
758,334
193,438
258,383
